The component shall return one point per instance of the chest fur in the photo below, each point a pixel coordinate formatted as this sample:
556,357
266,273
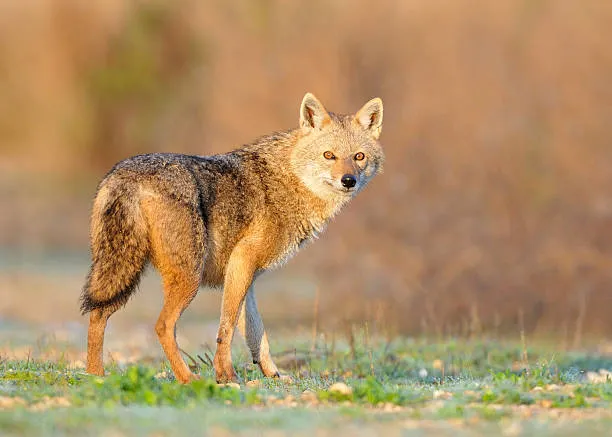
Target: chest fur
293,237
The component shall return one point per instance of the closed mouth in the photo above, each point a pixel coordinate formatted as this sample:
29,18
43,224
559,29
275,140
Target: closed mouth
345,190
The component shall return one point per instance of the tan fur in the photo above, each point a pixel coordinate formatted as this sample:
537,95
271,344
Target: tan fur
222,221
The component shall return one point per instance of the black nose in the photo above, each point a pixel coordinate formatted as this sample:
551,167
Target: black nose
348,180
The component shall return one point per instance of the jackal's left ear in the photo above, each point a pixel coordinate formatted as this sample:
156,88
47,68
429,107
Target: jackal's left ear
370,116
313,114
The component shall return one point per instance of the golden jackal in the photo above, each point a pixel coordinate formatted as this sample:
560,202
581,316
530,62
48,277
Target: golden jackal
222,221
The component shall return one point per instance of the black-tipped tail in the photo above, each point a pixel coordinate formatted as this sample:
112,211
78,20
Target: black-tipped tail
120,250
90,303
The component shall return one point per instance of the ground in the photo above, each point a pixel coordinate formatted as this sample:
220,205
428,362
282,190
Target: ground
368,386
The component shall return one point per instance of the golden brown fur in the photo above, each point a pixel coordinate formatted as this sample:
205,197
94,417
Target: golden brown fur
221,221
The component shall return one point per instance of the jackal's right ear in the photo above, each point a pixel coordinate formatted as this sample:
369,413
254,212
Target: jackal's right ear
312,114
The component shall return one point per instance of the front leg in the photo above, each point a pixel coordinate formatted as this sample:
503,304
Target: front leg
238,278
252,329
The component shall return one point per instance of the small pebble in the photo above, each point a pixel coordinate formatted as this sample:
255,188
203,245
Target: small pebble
341,388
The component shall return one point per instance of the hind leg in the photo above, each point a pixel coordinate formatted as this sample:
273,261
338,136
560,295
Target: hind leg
95,339
177,251
177,296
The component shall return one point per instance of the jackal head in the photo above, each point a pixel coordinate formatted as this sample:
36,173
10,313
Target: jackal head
337,155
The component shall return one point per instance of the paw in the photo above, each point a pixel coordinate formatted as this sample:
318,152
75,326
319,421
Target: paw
227,376
268,368
282,377
95,370
233,385
224,370
287,379
186,379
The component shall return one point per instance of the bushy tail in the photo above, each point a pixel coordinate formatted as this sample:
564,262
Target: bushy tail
120,250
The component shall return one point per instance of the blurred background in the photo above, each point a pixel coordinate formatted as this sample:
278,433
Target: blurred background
493,216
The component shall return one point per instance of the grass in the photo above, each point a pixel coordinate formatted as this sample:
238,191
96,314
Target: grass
488,385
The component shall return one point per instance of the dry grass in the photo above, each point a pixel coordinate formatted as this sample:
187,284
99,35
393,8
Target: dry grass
495,201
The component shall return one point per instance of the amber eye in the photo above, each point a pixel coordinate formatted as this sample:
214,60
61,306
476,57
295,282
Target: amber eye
328,155
359,156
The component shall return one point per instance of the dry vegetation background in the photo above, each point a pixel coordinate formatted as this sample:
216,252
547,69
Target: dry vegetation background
494,212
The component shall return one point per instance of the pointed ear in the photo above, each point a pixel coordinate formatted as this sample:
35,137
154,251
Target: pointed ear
312,114
370,117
